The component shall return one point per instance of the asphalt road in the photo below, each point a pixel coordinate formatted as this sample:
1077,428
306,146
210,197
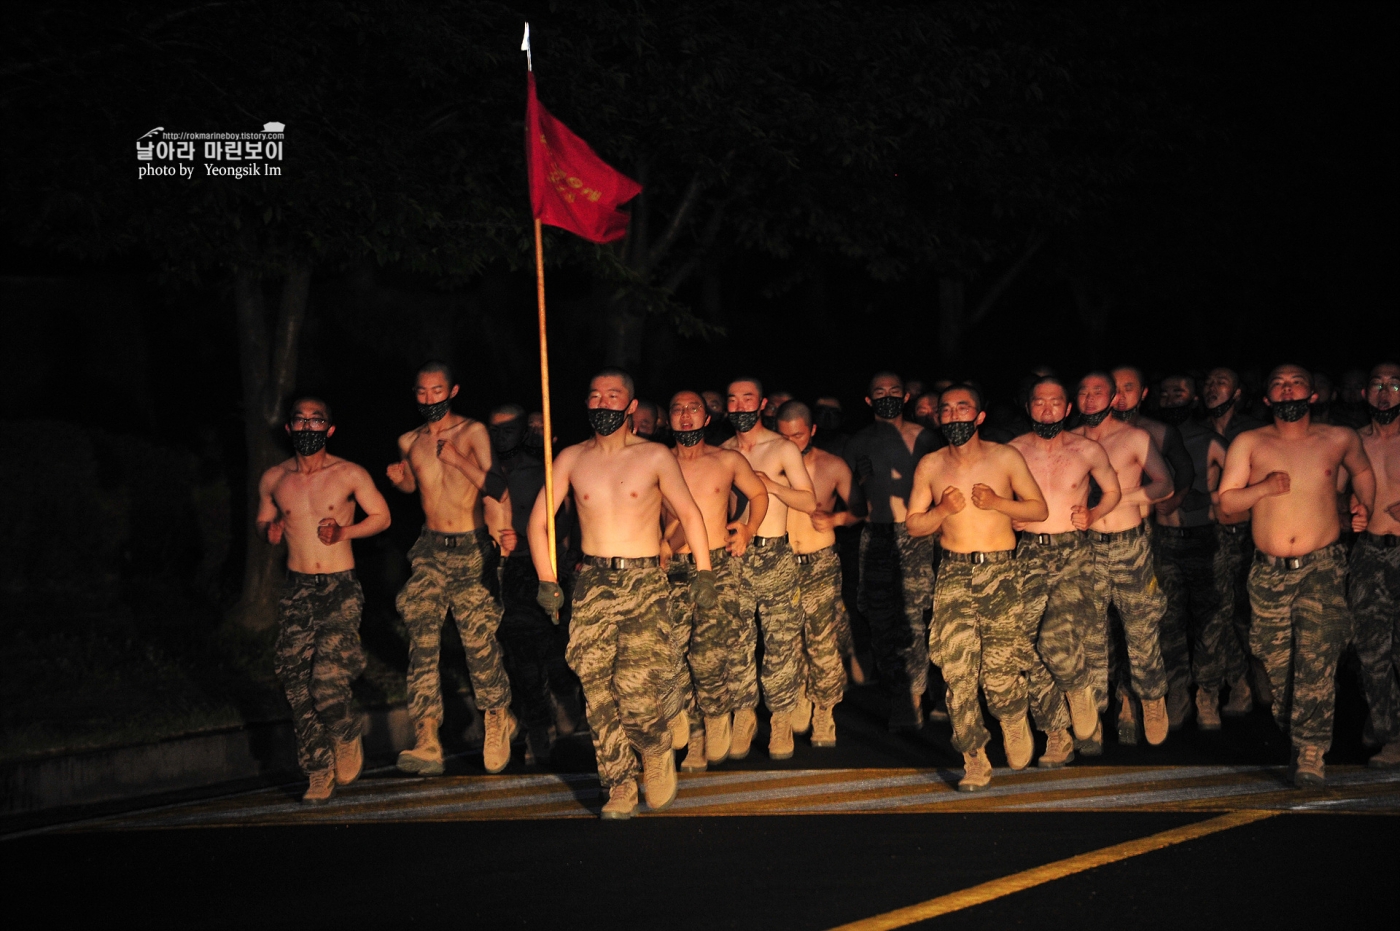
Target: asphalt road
825,839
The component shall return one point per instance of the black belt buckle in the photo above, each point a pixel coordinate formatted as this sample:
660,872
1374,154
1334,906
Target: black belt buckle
978,558
1043,539
1293,562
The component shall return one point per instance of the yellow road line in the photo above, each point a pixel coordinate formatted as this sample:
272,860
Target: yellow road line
986,892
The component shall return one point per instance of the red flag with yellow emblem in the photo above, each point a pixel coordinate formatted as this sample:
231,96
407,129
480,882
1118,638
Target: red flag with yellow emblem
570,186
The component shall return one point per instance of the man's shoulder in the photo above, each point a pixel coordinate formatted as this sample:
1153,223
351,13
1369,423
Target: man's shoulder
407,439
280,470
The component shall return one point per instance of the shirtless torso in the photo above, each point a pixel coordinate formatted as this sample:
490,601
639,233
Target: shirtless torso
439,461
1382,447
1142,474
1062,467
310,502
992,478
710,474
778,463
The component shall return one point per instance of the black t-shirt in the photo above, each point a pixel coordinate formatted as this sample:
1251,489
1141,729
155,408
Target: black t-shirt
884,467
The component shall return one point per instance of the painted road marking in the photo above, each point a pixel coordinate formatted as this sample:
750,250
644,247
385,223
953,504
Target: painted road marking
996,888
385,797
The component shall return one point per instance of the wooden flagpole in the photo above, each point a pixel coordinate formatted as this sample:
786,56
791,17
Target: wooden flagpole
544,394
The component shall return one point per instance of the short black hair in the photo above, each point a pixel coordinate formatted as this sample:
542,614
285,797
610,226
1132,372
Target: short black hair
437,365
309,398
870,385
970,388
795,410
1099,373
749,379
615,372
1046,380
511,408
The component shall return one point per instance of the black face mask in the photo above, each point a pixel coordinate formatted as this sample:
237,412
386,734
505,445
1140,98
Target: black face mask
889,407
1290,411
1176,416
1123,415
828,418
1047,431
1093,420
1220,410
308,442
1383,416
432,413
505,436
605,421
959,431
689,438
743,421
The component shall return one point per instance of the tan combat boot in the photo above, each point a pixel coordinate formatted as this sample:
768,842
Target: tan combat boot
425,759
321,789
1020,745
1059,750
801,715
718,737
659,776
823,726
1241,701
1093,746
1127,722
694,761
1154,720
1083,712
977,771
680,730
780,736
745,724
1309,770
349,760
1207,709
1388,758
622,801
500,731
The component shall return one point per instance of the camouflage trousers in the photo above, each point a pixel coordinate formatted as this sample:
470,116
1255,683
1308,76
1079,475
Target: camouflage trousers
896,585
450,574
705,643
819,580
1123,578
1301,625
1195,609
1058,588
768,585
318,655
532,646
1234,554
619,646
979,639
1374,596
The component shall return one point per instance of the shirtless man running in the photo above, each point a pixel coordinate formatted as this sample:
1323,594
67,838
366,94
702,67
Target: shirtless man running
1059,570
769,581
1374,587
1286,475
715,675
309,500
447,461
619,636
978,636
813,539
1123,573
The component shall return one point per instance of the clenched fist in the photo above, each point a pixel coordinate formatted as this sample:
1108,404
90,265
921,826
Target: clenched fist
953,500
1277,483
983,497
1079,516
330,531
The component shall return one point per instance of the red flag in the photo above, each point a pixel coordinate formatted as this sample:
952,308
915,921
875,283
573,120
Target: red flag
570,186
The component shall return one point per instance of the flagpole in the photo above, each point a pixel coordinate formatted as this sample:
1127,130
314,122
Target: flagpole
544,394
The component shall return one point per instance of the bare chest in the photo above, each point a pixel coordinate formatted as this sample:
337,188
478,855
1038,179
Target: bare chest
314,497
1311,464
619,483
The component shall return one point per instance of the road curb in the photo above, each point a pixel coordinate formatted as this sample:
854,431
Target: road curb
258,750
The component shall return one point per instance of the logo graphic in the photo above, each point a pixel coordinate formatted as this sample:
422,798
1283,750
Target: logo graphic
158,129
273,127
254,154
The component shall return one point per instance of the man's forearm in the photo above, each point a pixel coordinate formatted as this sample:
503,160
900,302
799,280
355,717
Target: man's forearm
1029,511
923,523
1240,500
372,524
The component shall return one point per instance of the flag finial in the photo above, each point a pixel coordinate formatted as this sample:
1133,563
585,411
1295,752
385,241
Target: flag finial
525,47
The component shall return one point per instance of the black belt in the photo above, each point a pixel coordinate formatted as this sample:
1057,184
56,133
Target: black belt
688,559
1235,530
805,558
622,562
768,541
1297,562
1187,533
451,540
978,559
1099,536
320,578
1069,537
1387,541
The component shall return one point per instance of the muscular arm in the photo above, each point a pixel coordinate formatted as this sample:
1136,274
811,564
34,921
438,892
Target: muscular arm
1159,484
747,481
1363,480
844,490
923,519
1102,471
401,473
371,502
1236,495
797,494
476,467
269,514
498,522
676,495
539,531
